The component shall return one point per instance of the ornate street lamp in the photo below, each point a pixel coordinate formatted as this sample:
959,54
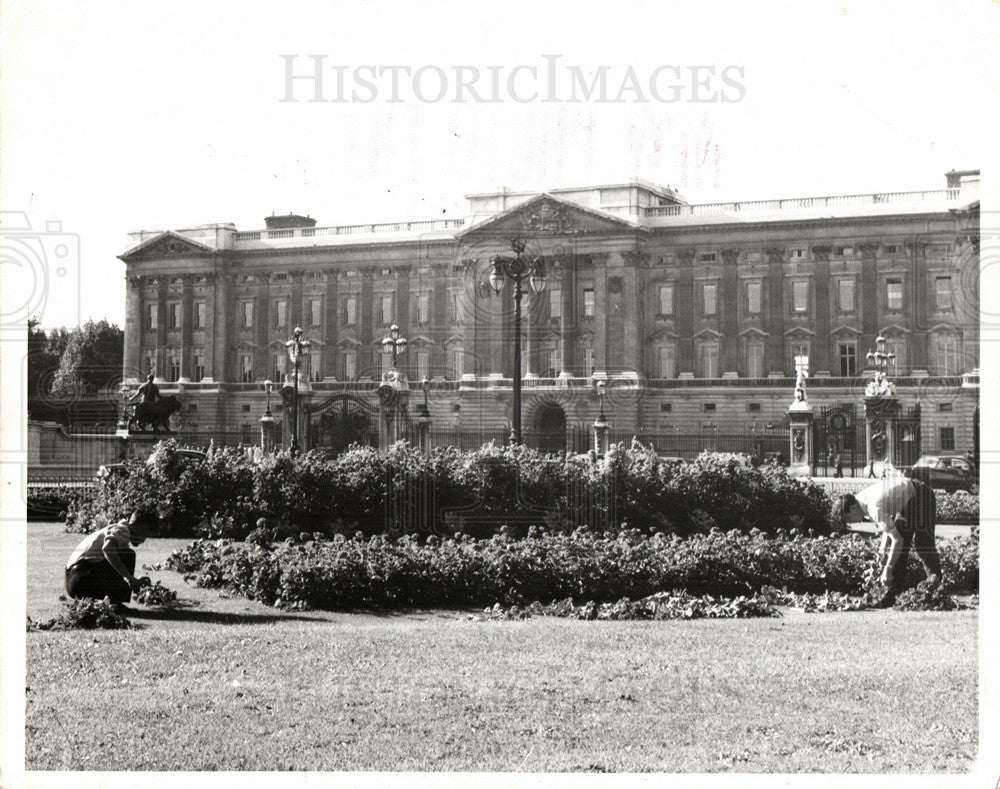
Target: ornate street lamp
295,347
601,423
880,360
393,344
517,269
267,421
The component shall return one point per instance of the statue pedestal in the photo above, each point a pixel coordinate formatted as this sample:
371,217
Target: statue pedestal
800,439
881,413
393,394
132,444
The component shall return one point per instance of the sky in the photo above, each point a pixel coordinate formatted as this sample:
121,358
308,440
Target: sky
119,116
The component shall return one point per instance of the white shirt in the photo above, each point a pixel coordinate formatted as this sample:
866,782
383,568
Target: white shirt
92,547
885,500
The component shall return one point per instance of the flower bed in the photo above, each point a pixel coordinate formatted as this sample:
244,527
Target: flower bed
385,573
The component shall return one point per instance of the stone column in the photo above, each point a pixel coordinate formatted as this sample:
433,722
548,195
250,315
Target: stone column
774,356
530,324
729,298
295,301
869,298
632,301
221,348
367,363
921,321
440,322
567,321
133,329
685,300
820,352
601,311
187,325
262,322
332,321
161,327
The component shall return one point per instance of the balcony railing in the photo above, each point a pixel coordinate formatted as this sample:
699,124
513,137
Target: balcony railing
377,228
749,207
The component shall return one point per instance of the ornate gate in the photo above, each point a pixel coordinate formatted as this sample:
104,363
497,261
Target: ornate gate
839,436
342,420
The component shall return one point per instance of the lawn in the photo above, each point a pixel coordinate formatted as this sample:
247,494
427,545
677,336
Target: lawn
229,684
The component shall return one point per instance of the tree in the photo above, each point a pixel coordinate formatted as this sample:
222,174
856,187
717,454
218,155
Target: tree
92,359
43,361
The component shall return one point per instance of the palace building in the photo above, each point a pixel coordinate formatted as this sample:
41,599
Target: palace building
693,314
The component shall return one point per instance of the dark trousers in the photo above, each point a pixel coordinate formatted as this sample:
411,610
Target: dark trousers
920,514
98,579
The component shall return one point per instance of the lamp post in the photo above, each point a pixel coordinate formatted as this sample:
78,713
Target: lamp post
394,344
601,423
295,347
517,269
880,360
267,421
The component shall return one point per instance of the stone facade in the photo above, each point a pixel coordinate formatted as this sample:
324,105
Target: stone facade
692,313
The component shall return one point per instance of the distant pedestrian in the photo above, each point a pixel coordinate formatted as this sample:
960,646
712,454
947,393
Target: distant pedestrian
838,466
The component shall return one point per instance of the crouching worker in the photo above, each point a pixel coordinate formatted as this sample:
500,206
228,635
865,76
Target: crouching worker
905,511
103,564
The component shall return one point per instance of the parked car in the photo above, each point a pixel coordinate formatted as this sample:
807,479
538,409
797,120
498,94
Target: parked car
946,472
118,468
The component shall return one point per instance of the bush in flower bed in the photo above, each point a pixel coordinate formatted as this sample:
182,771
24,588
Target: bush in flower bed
229,493
84,614
53,503
663,605
408,572
958,507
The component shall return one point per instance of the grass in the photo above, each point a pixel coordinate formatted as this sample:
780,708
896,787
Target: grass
228,684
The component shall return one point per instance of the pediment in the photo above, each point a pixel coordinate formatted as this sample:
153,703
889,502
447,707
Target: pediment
165,245
894,328
546,215
709,333
800,331
753,331
845,329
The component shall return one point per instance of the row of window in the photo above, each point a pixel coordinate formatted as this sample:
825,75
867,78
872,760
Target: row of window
944,352
800,292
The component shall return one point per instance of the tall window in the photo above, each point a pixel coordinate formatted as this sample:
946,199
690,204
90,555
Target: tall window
423,363
312,366
800,295
151,316
173,366
197,364
278,366
708,359
666,299
455,362
200,313
799,348
421,307
753,290
246,314
755,359
315,312
589,303
845,295
555,303
942,293
350,310
553,366
588,361
246,368
946,355
150,362
280,313
350,365
709,291
894,294
847,353
385,308
946,439
174,313
897,346
666,361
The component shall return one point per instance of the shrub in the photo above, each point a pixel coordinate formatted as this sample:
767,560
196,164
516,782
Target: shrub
958,507
399,491
84,614
380,572
55,503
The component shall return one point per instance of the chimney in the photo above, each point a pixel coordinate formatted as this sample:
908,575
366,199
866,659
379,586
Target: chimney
288,221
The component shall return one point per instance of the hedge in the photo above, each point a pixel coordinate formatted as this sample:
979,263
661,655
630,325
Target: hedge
232,492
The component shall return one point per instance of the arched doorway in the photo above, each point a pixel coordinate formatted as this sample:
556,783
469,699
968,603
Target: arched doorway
550,428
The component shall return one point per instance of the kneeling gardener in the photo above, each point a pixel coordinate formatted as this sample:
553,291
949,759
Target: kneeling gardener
905,511
103,564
